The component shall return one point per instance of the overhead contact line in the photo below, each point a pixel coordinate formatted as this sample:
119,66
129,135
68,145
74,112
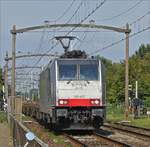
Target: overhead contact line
117,42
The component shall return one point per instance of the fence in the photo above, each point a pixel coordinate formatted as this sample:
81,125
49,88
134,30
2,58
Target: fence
19,138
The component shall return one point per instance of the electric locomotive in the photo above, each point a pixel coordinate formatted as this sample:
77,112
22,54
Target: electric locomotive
72,92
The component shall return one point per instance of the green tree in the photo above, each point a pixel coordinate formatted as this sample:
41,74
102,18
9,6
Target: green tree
139,70
139,65
114,80
1,79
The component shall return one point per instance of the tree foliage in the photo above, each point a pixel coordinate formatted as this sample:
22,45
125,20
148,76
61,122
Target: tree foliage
139,70
1,79
139,65
1,83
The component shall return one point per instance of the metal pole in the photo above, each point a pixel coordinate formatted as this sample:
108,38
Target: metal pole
13,70
6,89
136,86
127,74
34,55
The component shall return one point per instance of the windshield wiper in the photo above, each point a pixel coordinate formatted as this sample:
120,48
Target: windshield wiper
87,81
69,81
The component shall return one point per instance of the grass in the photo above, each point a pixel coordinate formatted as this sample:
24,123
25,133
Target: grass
58,139
3,117
142,122
116,113
26,118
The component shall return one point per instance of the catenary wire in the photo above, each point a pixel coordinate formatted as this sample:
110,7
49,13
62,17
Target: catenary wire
77,25
76,11
85,18
122,13
60,17
117,42
65,12
140,18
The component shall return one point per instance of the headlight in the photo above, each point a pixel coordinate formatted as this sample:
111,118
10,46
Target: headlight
92,102
95,102
63,102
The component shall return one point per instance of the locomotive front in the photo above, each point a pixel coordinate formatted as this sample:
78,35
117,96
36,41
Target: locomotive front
80,93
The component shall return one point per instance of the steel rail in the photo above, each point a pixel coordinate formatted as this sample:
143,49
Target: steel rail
136,127
100,138
110,140
127,130
75,141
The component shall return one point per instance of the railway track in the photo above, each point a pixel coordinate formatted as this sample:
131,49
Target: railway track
107,136
134,136
94,140
131,126
131,130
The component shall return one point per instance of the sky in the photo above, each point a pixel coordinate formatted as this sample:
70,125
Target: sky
26,13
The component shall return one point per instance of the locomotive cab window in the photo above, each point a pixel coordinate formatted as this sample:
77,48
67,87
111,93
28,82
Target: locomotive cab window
89,72
67,72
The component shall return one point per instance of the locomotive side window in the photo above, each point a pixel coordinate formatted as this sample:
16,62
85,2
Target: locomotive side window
67,72
89,72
